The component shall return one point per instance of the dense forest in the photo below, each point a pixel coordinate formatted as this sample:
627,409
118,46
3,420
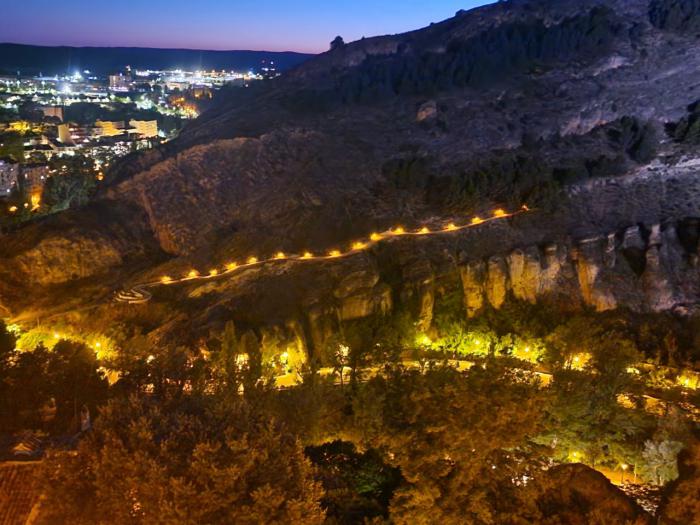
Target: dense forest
482,422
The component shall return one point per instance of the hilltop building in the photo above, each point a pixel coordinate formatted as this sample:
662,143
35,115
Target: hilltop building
105,128
119,83
65,135
147,129
53,111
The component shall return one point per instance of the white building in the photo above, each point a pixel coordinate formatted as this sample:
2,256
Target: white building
119,83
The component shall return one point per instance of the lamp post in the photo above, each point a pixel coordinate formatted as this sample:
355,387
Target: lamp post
624,467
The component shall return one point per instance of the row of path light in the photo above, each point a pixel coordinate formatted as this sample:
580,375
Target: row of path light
139,294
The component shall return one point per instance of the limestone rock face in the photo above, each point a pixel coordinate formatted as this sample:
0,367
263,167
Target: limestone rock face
426,308
589,264
525,268
497,281
42,264
323,324
556,269
366,302
650,271
473,280
363,279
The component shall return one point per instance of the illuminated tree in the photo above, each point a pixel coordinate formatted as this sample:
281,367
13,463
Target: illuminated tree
459,440
228,362
176,465
585,421
660,461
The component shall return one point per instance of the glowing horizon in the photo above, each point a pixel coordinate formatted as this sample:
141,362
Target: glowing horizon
272,25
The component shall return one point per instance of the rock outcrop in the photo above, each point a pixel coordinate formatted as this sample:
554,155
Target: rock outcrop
647,273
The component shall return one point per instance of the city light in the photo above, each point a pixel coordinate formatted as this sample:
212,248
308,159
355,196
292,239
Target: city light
477,220
252,260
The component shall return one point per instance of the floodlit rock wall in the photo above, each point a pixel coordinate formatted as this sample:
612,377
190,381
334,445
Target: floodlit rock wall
642,268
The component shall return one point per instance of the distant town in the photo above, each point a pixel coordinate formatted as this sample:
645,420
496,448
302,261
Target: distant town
59,134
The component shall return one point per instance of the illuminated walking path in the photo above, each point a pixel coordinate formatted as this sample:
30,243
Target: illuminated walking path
140,293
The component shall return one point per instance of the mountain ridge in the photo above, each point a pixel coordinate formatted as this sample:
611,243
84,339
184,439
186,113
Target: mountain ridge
51,60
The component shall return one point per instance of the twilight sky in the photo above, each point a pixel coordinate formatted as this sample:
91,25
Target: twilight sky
272,25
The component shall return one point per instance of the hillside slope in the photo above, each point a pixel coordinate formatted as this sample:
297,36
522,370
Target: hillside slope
579,109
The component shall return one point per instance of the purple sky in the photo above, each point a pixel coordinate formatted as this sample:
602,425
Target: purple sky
273,25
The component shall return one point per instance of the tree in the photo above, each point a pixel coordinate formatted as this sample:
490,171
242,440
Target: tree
73,183
682,504
459,440
359,485
337,43
67,377
660,461
183,464
227,362
73,372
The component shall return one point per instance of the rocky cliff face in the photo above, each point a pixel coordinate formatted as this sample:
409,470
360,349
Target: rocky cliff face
643,268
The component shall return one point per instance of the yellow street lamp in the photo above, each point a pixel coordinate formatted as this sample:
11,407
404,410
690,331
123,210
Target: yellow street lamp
500,212
231,266
213,272
280,255
451,227
375,237
424,230
477,220
252,260
624,467
334,253
193,274
359,246
165,279
307,255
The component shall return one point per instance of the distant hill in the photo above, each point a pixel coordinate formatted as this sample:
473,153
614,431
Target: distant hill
31,60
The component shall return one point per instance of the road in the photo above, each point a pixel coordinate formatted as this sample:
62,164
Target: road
140,294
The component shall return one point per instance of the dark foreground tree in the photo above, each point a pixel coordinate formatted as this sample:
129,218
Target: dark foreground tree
183,465
682,501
